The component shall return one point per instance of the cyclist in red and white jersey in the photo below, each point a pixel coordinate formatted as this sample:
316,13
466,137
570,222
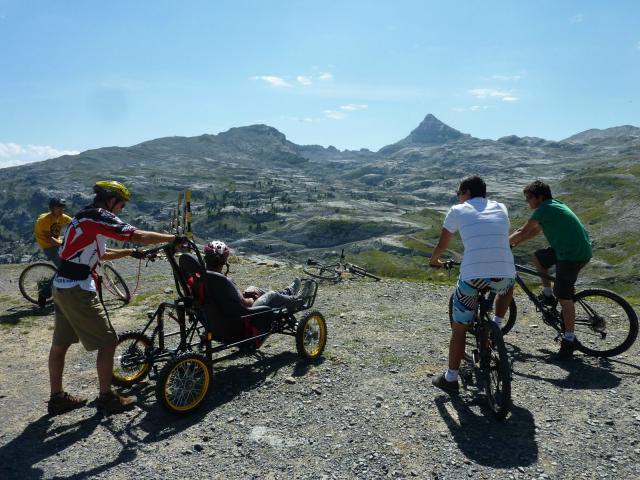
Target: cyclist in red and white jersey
79,315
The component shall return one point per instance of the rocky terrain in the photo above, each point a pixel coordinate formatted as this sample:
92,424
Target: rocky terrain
266,195
366,410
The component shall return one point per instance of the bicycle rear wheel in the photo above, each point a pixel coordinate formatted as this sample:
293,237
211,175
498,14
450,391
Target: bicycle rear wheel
606,325
36,278
323,272
496,372
115,284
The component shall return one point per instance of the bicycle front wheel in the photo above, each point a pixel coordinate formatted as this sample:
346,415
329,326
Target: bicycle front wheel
36,279
496,372
606,325
323,272
115,284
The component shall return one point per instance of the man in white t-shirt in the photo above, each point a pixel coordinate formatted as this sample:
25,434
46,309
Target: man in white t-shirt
488,262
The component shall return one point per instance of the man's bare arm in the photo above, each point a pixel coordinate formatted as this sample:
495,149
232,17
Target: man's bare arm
443,242
526,232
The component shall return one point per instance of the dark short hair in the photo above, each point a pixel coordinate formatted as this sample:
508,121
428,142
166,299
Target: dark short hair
538,189
474,185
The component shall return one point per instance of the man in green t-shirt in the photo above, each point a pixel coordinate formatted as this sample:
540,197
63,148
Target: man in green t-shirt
570,251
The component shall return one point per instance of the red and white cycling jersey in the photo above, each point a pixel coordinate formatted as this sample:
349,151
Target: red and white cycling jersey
86,241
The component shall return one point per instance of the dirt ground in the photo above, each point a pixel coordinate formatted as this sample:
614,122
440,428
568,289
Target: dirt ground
367,410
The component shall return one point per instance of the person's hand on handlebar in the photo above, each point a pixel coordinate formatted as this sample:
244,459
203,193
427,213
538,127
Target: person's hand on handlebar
181,240
437,263
138,254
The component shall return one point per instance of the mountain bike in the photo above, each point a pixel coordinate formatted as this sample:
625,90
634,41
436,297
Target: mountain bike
606,324
36,280
488,357
335,271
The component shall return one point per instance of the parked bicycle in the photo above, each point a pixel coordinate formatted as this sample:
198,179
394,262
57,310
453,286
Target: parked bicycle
606,324
37,279
487,356
335,271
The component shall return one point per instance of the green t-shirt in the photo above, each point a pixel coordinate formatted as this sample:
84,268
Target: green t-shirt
563,231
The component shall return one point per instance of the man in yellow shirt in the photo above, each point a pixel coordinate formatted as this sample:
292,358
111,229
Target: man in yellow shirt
48,228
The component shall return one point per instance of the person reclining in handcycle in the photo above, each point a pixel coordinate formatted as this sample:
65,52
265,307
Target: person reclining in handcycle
235,303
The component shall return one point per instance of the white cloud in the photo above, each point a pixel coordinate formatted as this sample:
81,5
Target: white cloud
578,18
473,108
334,114
483,93
272,80
12,154
326,76
304,80
353,107
507,78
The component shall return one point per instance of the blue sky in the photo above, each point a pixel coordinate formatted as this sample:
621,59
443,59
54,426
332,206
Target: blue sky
76,75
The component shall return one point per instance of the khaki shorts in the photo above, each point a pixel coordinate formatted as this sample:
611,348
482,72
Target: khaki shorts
80,316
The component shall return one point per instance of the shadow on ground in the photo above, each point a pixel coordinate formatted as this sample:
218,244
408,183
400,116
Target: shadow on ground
484,440
46,438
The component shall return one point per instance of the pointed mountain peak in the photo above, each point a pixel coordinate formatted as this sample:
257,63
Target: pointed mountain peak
433,131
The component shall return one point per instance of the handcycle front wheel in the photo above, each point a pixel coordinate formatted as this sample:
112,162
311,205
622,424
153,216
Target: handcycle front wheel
311,335
512,314
184,382
34,278
606,325
131,363
323,272
115,284
496,372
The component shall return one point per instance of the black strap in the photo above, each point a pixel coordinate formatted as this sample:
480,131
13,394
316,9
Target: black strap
73,271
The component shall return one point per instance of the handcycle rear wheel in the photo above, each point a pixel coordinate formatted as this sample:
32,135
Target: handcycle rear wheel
311,335
606,325
496,372
323,272
130,361
33,278
512,314
183,383
115,284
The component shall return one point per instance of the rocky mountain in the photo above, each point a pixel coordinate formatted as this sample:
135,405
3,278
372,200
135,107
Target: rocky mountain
264,194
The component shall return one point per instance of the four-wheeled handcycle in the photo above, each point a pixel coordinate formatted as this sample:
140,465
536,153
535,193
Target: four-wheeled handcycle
179,343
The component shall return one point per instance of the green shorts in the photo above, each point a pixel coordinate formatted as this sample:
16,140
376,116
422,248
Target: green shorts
80,316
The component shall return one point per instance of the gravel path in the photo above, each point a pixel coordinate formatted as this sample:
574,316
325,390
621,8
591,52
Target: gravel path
367,410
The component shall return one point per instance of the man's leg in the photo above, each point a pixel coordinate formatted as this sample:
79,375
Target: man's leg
546,283
104,365
503,300
56,367
457,345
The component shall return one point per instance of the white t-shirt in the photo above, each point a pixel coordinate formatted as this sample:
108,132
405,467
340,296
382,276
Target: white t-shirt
484,227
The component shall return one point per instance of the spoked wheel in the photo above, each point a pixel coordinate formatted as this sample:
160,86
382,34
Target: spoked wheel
36,279
323,272
606,325
496,372
115,284
184,382
512,314
311,335
131,363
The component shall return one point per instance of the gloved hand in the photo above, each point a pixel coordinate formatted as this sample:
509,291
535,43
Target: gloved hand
139,254
181,240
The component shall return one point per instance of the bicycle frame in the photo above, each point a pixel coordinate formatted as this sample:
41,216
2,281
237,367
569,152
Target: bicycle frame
550,314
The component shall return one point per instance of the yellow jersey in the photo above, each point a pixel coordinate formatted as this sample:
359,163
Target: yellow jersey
48,226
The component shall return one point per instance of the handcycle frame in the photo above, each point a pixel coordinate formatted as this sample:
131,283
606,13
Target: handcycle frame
195,344
334,271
